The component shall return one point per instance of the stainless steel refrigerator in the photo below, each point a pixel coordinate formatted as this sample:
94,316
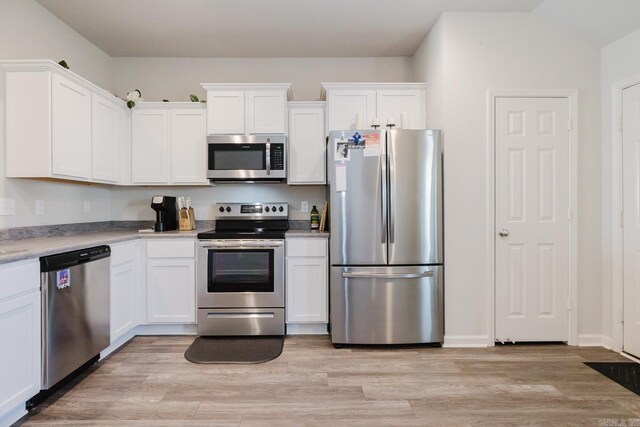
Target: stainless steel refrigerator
386,248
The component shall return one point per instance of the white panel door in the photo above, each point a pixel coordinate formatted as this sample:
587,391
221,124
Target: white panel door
171,291
188,146
343,106
532,219
307,290
307,148
265,112
631,207
225,113
150,146
105,139
20,350
71,129
392,103
123,299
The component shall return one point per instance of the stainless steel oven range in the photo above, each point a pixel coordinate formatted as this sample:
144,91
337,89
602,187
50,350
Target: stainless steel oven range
240,270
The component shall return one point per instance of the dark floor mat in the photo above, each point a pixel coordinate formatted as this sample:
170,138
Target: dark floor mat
234,349
627,374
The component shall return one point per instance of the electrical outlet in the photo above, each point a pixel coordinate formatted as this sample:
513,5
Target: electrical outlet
39,207
87,206
304,206
7,206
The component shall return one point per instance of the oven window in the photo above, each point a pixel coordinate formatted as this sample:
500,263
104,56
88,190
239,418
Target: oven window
241,270
236,157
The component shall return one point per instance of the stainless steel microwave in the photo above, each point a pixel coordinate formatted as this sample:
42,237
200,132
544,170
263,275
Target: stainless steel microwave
247,158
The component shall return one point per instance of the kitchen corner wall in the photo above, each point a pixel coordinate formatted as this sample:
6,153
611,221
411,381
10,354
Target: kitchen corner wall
465,55
29,31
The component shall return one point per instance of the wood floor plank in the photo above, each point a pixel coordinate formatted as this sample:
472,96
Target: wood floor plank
148,382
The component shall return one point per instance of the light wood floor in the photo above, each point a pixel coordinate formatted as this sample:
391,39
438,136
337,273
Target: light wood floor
148,382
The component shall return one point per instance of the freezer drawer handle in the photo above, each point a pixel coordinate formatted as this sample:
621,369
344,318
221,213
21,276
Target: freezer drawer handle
387,275
215,315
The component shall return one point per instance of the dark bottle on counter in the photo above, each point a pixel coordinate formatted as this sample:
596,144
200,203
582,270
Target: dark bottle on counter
315,218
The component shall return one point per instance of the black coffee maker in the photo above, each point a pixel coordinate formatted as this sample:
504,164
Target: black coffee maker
165,207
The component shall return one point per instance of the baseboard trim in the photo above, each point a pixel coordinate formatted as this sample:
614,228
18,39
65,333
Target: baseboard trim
461,341
115,346
590,340
13,415
307,329
169,329
607,342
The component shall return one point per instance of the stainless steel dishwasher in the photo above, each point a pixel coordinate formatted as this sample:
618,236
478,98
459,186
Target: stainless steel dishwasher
75,310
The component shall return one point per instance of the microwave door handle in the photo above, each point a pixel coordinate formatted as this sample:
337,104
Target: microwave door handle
268,156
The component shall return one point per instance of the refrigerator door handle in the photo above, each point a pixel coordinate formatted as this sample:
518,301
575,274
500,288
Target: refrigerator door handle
392,205
387,275
383,182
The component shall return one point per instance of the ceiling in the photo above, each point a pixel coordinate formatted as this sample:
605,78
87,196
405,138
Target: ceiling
263,28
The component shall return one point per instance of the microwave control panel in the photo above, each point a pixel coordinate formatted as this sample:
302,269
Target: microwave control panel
277,156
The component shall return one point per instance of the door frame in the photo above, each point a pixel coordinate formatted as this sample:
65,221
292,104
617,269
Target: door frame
572,96
617,209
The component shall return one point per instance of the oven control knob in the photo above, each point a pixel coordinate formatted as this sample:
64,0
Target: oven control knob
281,209
273,208
228,209
266,209
221,209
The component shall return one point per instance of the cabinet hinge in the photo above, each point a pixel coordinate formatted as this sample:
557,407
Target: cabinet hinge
569,123
569,304
622,315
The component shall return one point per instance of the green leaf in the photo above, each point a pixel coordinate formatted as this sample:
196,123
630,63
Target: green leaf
193,98
63,63
131,104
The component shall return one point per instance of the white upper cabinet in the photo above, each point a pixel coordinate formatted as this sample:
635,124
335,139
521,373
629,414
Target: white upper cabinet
307,148
168,143
237,109
105,139
356,105
55,120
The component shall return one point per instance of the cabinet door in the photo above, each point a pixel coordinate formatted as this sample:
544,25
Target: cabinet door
265,112
307,148
123,299
171,291
343,106
225,112
307,290
149,147
71,129
105,139
188,146
392,103
20,350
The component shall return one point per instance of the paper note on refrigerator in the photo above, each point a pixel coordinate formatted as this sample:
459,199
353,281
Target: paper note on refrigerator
372,145
341,177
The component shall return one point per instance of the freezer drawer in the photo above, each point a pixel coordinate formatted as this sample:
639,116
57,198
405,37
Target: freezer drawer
240,321
387,305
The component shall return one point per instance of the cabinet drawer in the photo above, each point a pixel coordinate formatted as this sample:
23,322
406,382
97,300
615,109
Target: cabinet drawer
123,252
174,248
19,277
301,247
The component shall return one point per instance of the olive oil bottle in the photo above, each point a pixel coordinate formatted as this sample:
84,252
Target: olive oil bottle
315,218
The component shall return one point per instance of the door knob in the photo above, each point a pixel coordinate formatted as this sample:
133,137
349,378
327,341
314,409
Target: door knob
503,232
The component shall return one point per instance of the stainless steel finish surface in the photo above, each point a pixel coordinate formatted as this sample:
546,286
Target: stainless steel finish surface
242,321
240,299
250,175
392,309
235,210
415,202
356,214
503,232
75,319
385,201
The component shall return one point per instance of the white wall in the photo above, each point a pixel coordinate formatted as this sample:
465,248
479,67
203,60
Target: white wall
28,31
507,50
619,61
428,66
176,78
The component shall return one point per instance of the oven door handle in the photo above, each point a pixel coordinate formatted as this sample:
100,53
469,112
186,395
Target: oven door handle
242,245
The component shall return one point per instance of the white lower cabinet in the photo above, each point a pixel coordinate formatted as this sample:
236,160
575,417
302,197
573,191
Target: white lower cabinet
124,289
171,283
306,285
20,351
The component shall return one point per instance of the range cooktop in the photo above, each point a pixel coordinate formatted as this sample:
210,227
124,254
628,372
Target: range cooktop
249,221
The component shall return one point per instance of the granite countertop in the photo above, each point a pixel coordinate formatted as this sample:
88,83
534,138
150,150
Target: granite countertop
303,229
